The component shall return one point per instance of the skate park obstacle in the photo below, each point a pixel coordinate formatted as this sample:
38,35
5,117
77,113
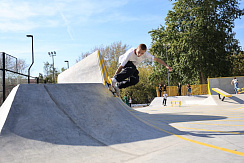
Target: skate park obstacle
175,103
240,90
221,92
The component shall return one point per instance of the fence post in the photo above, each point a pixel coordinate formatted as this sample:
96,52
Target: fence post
4,86
200,89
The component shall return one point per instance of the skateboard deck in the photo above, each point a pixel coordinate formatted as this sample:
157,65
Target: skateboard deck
241,90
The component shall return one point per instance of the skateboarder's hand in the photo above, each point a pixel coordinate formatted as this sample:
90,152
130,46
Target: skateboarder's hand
170,68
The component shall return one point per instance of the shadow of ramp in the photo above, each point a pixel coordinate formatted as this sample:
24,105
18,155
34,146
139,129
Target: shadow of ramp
164,121
237,100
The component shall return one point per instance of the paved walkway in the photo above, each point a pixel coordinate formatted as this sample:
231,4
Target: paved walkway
207,133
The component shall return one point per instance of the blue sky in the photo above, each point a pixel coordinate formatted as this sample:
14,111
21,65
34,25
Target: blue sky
72,27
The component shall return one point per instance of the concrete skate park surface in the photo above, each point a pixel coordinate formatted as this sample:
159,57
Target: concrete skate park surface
84,122
200,100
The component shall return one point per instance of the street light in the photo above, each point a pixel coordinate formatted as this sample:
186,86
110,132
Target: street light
52,54
67,64
167,64
32,58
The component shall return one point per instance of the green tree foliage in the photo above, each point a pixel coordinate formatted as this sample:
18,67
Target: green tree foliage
199,38
160,73
48,73
237,62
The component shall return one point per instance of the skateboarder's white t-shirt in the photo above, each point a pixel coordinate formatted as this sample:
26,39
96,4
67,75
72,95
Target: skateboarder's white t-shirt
131,56
165,96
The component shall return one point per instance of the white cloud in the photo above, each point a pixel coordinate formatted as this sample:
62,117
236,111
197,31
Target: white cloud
16,26
23,16
9,10
27,15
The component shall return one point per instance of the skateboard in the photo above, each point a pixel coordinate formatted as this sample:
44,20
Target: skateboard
111,87
240,90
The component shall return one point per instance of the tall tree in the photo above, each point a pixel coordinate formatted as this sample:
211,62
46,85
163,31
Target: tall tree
200,37
22,66
48,73
237,62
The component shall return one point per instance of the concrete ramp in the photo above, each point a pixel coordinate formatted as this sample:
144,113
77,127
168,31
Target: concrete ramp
74,114
4,109
88,70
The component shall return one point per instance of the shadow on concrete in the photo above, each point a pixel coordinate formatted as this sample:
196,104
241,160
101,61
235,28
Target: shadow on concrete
237,99
164,121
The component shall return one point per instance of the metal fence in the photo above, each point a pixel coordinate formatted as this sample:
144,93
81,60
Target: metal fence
10,75
195,90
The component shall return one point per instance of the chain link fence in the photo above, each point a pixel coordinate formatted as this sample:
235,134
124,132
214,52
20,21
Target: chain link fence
10,75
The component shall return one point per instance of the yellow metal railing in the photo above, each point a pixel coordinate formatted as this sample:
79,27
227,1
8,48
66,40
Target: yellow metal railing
195,90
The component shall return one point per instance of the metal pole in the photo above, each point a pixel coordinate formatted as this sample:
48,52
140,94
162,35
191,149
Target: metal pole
32,57
4,86
67,64
167,69
53,71
52,54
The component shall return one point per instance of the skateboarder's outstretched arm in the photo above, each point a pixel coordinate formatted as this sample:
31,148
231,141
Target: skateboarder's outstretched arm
155,59
163,63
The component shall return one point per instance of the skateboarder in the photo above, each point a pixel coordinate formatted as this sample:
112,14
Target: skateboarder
127,73
235,82
165,95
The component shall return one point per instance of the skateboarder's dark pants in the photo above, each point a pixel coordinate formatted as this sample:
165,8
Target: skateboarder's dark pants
164,102
129,71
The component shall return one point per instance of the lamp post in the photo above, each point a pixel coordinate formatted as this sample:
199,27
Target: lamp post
167,64
32,58
52,54
67,64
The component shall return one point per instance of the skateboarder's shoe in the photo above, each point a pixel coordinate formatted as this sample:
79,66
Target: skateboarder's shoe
112,85
112,81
